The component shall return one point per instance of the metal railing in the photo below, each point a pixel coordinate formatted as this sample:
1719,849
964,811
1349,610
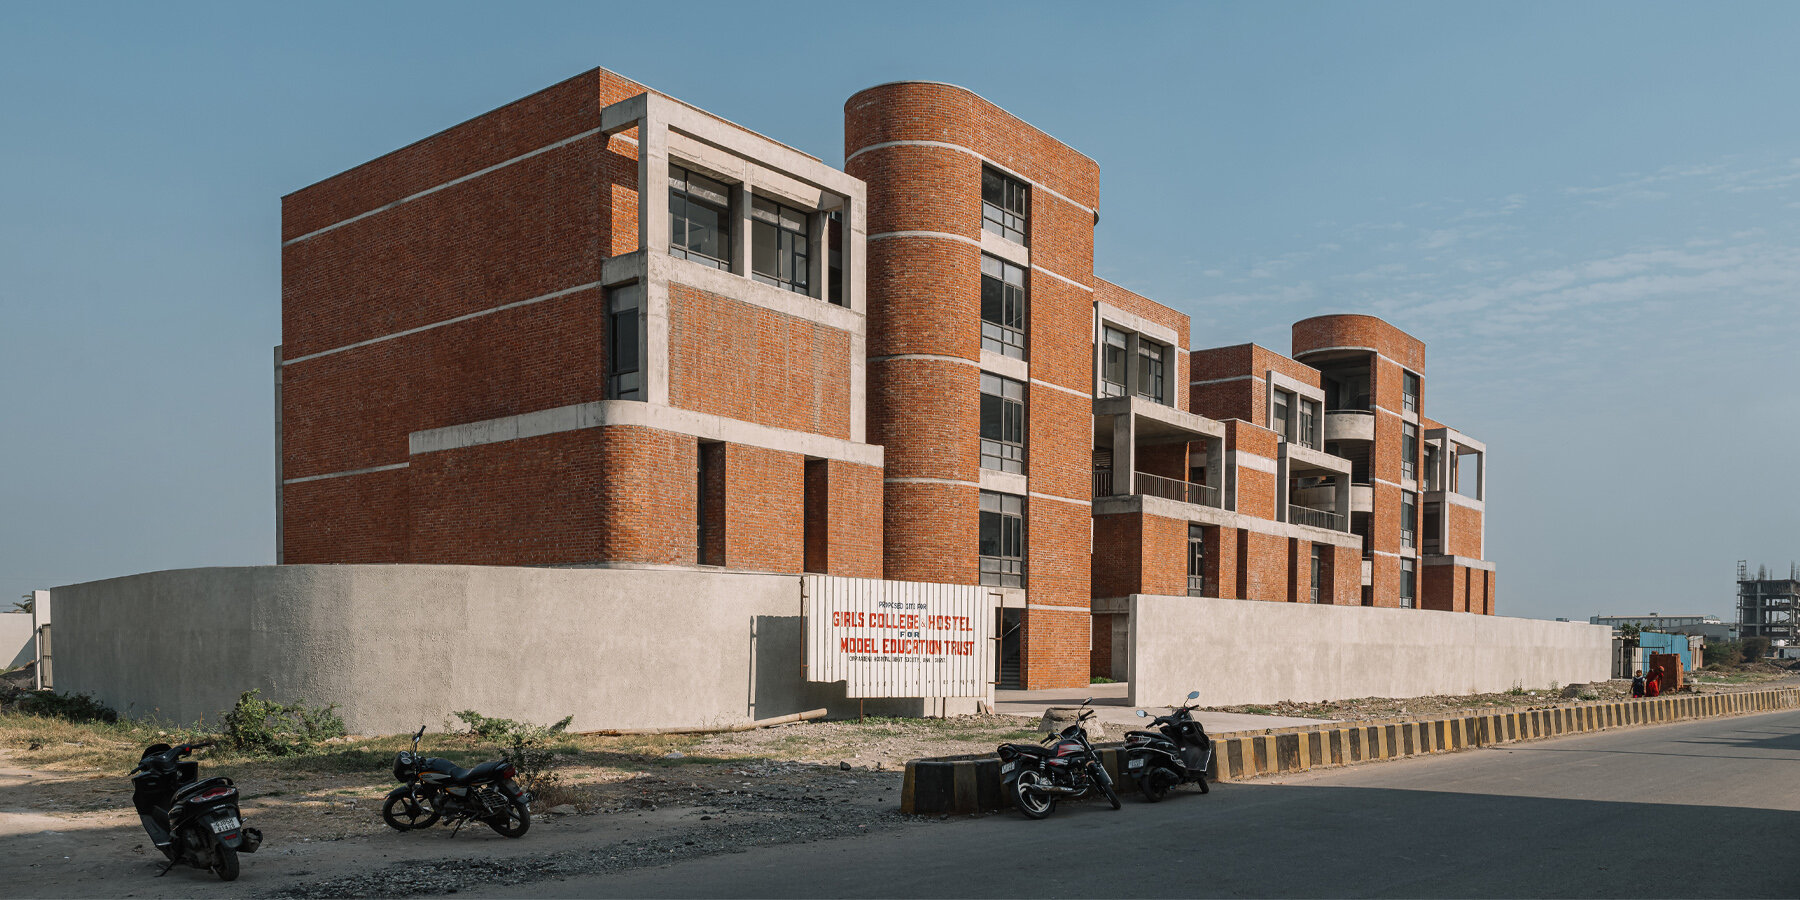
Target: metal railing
1103,482
1176,489
1317,518
1196,585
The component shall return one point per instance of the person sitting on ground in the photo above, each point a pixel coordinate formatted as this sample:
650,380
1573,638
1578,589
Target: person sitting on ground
1637,683
1653,684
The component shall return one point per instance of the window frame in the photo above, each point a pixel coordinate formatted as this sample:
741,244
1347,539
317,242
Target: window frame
1409,583
1109,387
1410,384
1008,517
1002,337
686,194
1008,214
1409,521
1152,353
1196,560
1317,566
1009,425
797,254
1281,414
1409,451
625,302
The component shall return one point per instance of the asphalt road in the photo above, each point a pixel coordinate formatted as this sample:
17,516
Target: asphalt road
1707,809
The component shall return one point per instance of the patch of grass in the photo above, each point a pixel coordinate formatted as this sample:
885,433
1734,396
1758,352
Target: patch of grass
1101,679
1257,710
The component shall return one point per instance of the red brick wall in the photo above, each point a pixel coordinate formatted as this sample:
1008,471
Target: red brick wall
1100,658
354,519
1320,332
1465,530
1137,553
764,509
1139,305
1267,570
738,360
1443,588
853,523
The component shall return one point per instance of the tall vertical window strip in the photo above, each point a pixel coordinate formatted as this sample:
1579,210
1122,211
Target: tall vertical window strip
699,218
1409,392
1152,363
1279,416
624,343
1113,345
1002,423
1002,539
1002,307
1409,450
1409,518
1409,583
1196,561
1309,424
779,238
1318,564
1004,203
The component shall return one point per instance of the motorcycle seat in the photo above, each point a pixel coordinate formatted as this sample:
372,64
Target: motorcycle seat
487,771
1033,749
1149,734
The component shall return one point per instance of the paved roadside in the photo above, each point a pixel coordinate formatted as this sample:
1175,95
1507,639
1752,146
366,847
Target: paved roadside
1113,710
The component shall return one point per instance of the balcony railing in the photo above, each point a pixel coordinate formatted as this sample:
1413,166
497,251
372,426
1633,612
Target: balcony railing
1176,489
1317,518
1158,486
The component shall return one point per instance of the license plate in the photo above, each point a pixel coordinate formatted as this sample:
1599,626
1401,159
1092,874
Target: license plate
1135,764
223,825
1008,767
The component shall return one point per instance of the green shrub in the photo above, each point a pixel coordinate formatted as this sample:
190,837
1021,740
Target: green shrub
1755,648
1724,654
73,707
525,745
266,728
1101,679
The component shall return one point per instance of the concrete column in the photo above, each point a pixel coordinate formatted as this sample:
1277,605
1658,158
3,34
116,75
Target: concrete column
1341,485
1282,468
1124,453
653,186
740,232
818,252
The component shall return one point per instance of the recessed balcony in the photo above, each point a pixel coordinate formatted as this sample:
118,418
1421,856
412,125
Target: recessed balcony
1349,425
1105,485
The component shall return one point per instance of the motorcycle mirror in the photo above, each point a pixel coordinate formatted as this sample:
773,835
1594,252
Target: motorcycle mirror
1193,695
1143,715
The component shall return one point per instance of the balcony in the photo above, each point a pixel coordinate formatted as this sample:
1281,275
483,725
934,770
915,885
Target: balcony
1315,518
1349,425
1158,486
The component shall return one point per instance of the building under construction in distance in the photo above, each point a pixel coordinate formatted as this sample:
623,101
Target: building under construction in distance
1766,604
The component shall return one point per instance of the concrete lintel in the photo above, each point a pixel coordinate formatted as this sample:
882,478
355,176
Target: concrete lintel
1446,433
663,112
1111,606
1004,482
1449,560
1208,515
1011,251
603,413
1134,322
1300,457
675,270
1455,499
1143,409
1005,366
623,269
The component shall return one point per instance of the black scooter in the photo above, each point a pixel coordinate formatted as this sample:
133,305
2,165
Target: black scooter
1038,775
190,821
432,788
1178,752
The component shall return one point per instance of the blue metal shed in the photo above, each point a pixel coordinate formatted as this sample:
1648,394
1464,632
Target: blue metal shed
1657,642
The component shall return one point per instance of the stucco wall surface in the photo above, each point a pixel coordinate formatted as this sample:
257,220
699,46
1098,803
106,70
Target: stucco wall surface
1236,651
397,646
18,645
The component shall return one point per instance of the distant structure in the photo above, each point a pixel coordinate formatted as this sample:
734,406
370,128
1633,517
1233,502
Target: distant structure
1711,628
1766,605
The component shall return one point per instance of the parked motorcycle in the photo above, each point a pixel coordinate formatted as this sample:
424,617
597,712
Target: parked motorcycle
433,788
1039,775
1177,752
191,821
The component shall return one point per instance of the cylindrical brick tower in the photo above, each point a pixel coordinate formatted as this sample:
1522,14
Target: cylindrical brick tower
929,153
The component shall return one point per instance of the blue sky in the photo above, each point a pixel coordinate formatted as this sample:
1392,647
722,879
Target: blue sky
1589,212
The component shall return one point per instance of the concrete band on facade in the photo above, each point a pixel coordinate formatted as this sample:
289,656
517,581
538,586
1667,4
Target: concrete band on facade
397,646
971,784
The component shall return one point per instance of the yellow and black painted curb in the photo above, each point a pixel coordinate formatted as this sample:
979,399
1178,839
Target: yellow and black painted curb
969,784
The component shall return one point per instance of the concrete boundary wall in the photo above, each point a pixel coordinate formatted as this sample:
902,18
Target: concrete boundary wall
1250,651
18,639
971,784
397,646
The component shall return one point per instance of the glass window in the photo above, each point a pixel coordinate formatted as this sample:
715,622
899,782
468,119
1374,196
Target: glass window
624,344
1002,423
1309,424
1002,307
1003,205
834,258
1196,561
1112,362
1002,539
1409,392
1152,363
1409,518
699,218
778,245
1317,568
1279,416
1409,578
1409,450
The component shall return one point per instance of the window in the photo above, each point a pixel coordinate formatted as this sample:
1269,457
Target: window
1409,579
1280,415
1196,561
1434,526
709,506
834,258
624,344
1002,539
1112,363
1309,424
1431,468
699,219
778,245
1409,450
1409,392
1002,307
1409,519
1003,205
1318,564
1152,363
1002,423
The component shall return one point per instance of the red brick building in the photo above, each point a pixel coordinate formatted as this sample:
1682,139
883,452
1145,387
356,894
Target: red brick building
600,327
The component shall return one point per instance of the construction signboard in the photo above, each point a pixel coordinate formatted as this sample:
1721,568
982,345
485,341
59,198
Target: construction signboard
898,638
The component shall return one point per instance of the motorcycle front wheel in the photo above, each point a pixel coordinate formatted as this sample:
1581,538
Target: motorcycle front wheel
1112,796
404,812
514,821
1033,805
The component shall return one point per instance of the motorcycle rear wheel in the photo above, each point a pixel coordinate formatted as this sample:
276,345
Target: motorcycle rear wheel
225,863
1154,784
402,812
514,822
1033,805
